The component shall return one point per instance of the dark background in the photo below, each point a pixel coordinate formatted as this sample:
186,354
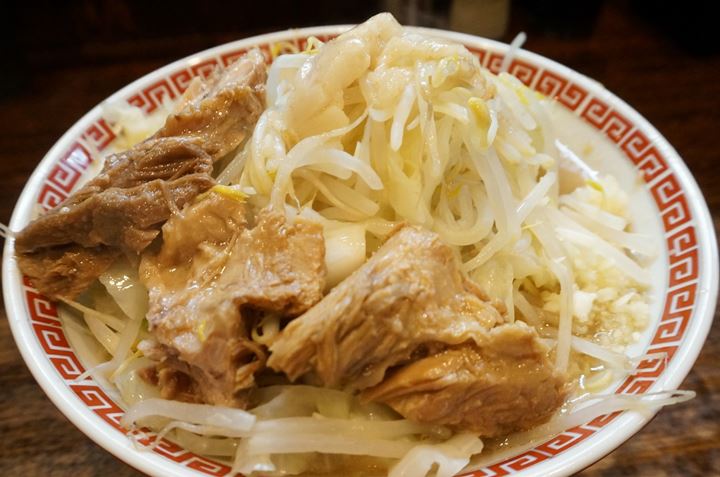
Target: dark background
62,58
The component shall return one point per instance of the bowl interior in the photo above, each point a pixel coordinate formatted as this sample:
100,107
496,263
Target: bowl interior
666,205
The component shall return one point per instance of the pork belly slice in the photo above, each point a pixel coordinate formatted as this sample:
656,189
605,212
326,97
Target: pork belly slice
411,331
213,278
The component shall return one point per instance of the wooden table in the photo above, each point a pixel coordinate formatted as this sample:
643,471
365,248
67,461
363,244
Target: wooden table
60,61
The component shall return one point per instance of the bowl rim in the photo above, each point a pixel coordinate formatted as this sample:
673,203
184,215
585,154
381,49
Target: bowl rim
572,460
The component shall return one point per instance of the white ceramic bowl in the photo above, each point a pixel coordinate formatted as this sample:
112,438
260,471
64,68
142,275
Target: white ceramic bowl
666,202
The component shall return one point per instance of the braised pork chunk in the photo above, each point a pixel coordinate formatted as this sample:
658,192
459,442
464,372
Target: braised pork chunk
412,332
408,296
504,385
66,270
222,110
213,277
122,209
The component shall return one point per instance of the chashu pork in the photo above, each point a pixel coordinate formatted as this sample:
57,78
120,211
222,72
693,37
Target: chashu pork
409,330
212,279
408,297
503,385
221,110
122,209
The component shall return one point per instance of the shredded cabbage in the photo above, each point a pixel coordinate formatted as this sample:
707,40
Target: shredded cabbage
450,457
226,418
122,283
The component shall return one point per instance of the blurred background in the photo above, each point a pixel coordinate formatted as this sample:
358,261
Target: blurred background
62,58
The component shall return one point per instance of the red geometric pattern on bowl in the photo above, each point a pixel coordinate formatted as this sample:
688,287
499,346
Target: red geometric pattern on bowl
669,197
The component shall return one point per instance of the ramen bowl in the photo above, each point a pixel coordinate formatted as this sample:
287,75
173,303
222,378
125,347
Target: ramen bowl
666,204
